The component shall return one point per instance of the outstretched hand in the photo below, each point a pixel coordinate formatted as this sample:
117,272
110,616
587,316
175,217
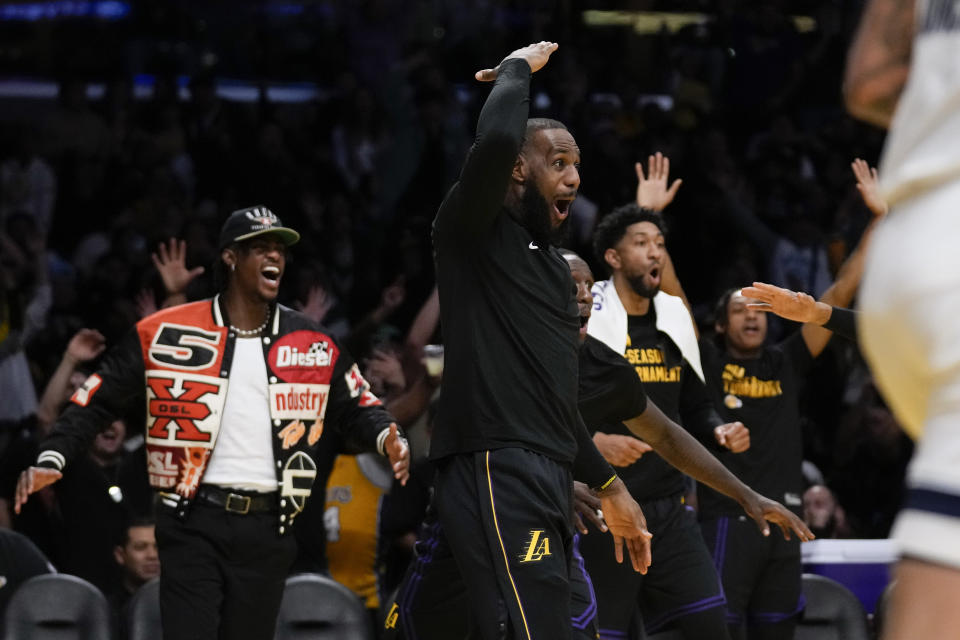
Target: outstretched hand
652,191
398,451
535,54
627,524
785,303
869,186
171,262
31,480
763,510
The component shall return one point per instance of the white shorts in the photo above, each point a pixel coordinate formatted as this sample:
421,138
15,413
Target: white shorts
910,333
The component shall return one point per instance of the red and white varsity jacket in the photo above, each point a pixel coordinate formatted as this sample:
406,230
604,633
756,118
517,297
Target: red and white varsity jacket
176,364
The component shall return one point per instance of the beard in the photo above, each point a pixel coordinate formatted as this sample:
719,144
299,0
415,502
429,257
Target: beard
636,283
535,218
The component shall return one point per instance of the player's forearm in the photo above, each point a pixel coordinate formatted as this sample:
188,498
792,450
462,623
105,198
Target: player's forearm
589,466
55,393
879,61
486,172
685,453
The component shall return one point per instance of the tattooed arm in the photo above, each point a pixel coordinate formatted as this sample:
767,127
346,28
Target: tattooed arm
879,60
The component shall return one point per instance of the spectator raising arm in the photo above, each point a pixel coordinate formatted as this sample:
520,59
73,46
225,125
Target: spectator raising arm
83,347
653,193
171,263
841,292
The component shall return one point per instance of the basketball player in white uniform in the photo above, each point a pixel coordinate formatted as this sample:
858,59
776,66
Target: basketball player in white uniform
904,72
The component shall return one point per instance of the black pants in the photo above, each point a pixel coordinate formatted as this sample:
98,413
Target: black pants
761,577
432,603
222,574
681,590
496,559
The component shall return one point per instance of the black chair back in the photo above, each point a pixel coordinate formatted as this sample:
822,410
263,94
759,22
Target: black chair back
832,612
57,606
315,607
144,612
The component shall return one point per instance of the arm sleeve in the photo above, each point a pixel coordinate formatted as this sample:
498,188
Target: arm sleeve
589,466
354,412
696,409
843,322
105,396
477,199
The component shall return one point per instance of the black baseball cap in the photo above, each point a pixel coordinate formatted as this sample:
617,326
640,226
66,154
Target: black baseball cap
250,222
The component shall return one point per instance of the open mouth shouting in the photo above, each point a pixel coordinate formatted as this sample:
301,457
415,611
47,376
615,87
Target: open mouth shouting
561,207
653,276
751,329
271,275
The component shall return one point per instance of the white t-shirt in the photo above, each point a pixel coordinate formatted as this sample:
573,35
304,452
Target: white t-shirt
243,455
923,147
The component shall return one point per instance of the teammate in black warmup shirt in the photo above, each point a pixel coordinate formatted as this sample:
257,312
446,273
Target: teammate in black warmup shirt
760,385
507,432
655,334
432,598
611,392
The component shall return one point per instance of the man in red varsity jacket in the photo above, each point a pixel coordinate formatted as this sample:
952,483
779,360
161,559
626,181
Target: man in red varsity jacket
238,391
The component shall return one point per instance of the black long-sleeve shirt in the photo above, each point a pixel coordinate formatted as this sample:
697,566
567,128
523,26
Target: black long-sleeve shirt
508,309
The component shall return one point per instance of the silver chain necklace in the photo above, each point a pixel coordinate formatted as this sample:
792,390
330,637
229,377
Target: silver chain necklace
249,333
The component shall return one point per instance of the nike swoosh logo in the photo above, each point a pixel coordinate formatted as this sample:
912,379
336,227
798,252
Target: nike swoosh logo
532,245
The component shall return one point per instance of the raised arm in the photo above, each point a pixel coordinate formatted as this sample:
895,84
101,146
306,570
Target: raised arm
879,61
801,307
652,190
682,450
84,346
107,394
170,260
477,198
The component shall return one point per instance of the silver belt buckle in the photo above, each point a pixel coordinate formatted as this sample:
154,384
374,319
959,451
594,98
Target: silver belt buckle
232,499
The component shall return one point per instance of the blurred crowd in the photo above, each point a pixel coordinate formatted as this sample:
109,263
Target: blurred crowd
745,103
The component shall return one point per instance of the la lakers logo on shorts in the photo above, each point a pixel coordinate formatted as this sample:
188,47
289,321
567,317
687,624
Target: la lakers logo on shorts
537,548
391,621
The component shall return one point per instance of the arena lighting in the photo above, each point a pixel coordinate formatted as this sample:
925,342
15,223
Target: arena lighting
649,22
61,9
143,85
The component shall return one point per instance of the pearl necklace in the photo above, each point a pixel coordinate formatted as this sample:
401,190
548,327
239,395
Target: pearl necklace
249,333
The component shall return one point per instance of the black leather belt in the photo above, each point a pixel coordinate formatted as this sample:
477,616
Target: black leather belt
237,502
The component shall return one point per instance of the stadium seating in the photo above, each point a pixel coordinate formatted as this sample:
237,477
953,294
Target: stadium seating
315,607
833,612
144,611
57,607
